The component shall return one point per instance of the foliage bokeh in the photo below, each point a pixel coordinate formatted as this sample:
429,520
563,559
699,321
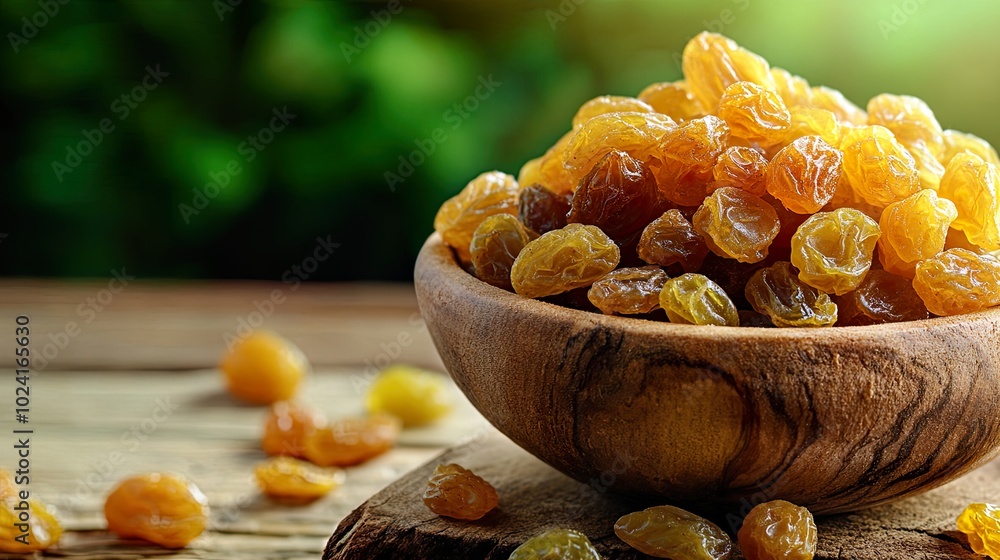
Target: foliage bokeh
367,90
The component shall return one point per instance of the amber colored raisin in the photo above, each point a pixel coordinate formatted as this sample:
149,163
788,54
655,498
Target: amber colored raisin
910,119
637,134
673,99
958,281
495,244
743,168
43,529
618,195
881,298
694,299
548,169
756,116
777,292
687,159
711,63
628,291
670,532
609,104
880,169
564,259
291,479
832,100
737,224
556,544
808,121
929,169
287,427
804,174
488,194
956,142
974,186
794,90
981,524
778,530
352,441
541,210
264,368
833,250
456,492
671,239
914,229
161,508
416,396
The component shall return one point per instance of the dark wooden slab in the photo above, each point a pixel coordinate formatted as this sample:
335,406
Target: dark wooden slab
534,497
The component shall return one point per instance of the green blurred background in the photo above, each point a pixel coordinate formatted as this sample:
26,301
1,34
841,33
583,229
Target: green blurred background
366,87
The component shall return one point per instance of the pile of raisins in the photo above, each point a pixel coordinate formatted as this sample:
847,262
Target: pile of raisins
742,194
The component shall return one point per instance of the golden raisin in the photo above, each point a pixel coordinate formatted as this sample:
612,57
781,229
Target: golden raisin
417,397
609,104
756,116
456,492
777,292
880,169
628,291
974,186
687,159
832,100
556,544
711,63
881,298
161,508
778,530
694,299
670,532
673,99
287,427
495,244
548,170
264,368
909,119
671,239
38,532
929,169
743,168
794,90
956,142
981,524
958,281
804,174
287,478
914,229
833,250
637,134
618,195
564,259
737,224
352,441
808,121
541,210
457,219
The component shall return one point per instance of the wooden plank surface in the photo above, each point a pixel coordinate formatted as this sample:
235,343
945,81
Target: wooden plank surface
84,443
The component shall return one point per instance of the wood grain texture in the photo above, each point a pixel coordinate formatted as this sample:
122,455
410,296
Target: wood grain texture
534,497
833,419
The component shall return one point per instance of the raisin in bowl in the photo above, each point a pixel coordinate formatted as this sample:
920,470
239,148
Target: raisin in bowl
833,419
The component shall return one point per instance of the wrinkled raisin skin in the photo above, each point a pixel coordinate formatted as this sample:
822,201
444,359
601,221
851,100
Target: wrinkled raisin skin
778,530
456,492
670,532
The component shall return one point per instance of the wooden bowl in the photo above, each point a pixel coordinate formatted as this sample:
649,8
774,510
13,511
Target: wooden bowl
834,419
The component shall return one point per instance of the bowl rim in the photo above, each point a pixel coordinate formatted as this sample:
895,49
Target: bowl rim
435,254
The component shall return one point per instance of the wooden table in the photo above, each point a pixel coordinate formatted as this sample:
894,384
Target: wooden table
132,387
135,389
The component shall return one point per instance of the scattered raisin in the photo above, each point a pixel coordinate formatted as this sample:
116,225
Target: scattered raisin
416,396
456,492
44,530
291,479
670,532
352,441
287,427
556,544
778,530
981,524
161,508
264,368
